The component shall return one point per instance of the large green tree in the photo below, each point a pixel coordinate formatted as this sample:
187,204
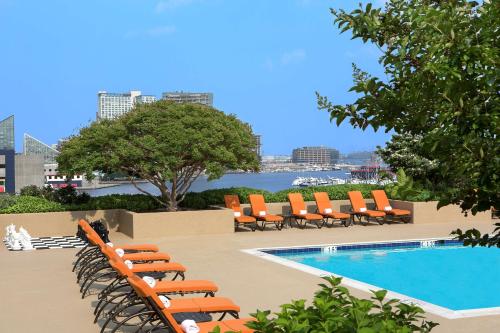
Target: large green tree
405,151
441,63
165,143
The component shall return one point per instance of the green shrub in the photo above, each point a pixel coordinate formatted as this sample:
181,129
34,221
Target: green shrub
27,204
7,200
133,202
202,200
31,191
68,195
334,309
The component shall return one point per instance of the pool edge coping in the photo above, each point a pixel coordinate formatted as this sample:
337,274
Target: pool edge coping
428,307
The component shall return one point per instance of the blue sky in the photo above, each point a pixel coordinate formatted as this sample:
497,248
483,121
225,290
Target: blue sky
262,59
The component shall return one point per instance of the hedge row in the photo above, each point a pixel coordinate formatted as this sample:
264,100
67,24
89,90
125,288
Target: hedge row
204,199
142,203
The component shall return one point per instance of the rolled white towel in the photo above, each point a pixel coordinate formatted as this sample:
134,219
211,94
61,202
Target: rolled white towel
328,210
303,212
129,264
120,252
362,209
150,281
110,244
189,326
165,301
237,214
387,208
262,213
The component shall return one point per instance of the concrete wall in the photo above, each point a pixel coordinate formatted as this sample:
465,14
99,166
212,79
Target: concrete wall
217,221
134,225
58,223
29,171
427,212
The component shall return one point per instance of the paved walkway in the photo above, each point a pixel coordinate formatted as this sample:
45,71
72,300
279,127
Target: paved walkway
39,293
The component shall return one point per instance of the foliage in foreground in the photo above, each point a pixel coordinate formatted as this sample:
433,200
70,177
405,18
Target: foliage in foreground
473,237
334,309
165,143
441,61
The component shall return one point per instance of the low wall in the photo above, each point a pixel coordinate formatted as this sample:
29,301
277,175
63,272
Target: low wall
134,225
214,221
427,212
58,223
144,225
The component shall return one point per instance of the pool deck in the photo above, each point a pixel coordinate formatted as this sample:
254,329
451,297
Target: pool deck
39,293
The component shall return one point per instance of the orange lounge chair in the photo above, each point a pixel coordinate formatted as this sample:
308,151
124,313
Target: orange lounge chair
259,211
300,214
189,304
393,214
233,202
359,209
325,209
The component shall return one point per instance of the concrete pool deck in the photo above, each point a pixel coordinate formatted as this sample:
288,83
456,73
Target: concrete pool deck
39,293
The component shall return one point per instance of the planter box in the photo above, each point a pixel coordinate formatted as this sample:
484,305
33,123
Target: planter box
427,212
145,225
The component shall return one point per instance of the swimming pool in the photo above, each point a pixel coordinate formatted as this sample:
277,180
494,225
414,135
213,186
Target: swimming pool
440,275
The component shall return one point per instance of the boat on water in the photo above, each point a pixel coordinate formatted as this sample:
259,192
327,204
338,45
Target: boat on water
313,181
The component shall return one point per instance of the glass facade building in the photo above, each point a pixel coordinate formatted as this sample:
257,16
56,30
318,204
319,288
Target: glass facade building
7,133
112,105
315,155
189,97
34,146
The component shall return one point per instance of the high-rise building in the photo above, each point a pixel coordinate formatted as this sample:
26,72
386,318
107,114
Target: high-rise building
112,105
315,155
189,97
16,171
258,148
34,146
7,133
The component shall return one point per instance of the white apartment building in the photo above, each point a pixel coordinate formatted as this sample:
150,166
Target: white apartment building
113,105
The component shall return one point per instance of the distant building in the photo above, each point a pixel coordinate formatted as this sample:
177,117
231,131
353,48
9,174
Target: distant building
34,146
359,157
54,179
112,105
7,133
189,97
16,171
258,149
315,155
28,171
276,159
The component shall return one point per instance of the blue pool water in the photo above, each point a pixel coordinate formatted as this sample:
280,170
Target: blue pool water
451,276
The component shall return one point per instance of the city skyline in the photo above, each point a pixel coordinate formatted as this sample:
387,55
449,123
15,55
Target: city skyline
263,69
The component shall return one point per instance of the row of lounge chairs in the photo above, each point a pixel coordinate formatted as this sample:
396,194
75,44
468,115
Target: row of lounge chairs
134,293
324,215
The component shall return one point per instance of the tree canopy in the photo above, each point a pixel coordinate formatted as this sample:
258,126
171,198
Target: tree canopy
165,143
441,61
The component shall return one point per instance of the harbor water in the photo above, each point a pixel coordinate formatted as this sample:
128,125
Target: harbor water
273,182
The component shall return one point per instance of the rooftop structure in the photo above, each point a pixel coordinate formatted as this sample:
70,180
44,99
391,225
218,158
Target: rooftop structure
7,133
113,105
32,146
189,97
315,155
